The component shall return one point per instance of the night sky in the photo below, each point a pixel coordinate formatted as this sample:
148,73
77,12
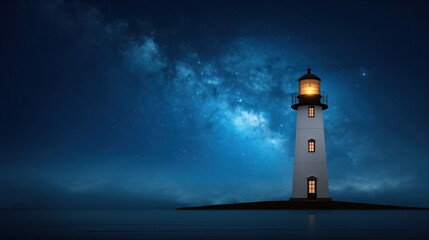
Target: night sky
166,104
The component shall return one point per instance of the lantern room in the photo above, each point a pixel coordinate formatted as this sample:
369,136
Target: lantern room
309,84
309,92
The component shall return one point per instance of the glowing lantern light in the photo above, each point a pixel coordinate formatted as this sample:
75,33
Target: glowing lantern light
309,87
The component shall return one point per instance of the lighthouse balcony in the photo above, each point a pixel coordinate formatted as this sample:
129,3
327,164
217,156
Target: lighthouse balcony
309,99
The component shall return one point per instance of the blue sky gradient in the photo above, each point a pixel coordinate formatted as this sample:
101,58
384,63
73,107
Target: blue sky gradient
161,104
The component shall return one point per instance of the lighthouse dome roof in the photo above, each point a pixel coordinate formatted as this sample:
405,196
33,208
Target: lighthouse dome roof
309,75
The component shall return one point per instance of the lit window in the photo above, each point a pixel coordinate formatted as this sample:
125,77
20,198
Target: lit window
311,186
311,111
311,145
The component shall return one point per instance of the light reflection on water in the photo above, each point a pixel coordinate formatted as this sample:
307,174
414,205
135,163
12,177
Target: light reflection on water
171,224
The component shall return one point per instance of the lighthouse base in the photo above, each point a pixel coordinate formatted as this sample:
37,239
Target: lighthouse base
306,199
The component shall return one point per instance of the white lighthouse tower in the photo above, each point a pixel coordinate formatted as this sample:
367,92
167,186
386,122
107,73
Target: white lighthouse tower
310,179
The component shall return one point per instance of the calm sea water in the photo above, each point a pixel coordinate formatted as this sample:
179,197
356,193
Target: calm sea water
172,224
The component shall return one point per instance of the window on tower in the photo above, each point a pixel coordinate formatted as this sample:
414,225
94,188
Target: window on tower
311,186
311,145
311,111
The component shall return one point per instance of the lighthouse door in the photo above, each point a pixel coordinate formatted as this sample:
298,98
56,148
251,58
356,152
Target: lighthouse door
312,188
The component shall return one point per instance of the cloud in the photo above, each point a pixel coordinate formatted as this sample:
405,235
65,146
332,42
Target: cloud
369,184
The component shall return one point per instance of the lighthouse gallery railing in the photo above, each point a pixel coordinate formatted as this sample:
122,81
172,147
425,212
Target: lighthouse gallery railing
323,98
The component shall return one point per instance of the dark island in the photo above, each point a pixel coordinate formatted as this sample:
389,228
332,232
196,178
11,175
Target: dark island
301,205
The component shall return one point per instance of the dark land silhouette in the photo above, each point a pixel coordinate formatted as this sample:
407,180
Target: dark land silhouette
301,205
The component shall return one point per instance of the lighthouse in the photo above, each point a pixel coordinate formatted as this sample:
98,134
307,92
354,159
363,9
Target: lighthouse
310,178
